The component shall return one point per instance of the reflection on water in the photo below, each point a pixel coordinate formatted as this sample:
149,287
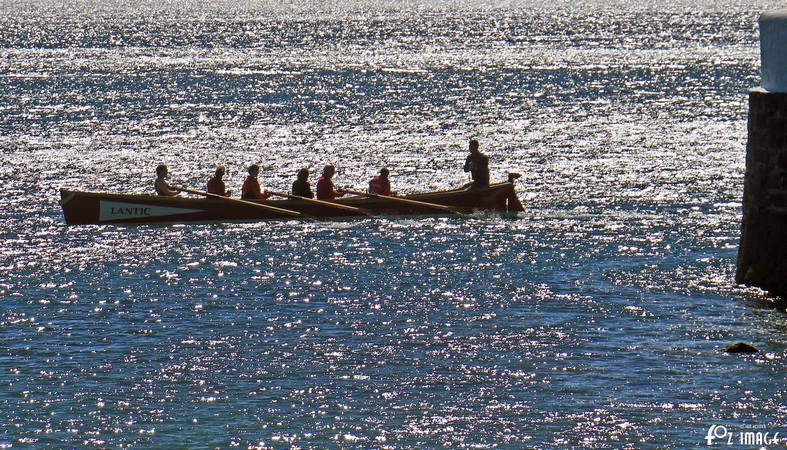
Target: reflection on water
594,319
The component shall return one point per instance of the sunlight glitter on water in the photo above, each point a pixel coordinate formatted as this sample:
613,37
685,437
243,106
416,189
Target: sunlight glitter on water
593,319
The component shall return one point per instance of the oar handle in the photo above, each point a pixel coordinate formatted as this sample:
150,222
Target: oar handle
322,203
406,201
243,202
196,192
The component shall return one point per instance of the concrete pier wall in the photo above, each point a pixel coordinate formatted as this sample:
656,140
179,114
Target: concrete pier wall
762,256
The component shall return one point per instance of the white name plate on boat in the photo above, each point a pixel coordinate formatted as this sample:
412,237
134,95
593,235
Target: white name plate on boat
110,211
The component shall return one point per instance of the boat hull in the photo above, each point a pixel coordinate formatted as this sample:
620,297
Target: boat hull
82,208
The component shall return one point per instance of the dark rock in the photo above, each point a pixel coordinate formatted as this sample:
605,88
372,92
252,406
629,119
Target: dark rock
741,347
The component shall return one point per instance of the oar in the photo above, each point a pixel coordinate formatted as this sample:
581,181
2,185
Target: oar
407,201
324,203
244,202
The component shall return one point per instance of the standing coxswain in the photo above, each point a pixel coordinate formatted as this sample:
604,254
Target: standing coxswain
477,164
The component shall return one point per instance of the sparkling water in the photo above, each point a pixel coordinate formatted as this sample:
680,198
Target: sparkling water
594,319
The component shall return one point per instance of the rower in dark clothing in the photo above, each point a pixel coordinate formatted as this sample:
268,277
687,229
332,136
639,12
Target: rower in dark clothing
216,183
301,186
477,164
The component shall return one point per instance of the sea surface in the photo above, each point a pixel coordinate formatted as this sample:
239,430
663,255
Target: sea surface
595,319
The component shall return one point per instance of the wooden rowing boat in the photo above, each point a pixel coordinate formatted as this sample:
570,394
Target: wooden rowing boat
99,208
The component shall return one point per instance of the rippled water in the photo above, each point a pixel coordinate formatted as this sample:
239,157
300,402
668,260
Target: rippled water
594,319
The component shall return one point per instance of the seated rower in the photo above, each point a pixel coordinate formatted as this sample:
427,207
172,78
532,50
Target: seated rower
325,189
301,186
162,187
380,184
251,187
216,183
477,164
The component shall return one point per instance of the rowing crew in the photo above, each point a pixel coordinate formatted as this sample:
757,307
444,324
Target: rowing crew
476,163
379,185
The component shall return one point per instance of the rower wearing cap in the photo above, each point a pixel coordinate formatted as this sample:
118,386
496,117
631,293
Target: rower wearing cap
162,187
251,187
216,183
380,184
325,189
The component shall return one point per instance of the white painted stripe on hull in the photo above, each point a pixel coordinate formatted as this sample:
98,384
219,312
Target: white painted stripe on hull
112,211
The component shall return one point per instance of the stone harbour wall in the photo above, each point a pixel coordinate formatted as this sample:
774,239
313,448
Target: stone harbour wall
762,256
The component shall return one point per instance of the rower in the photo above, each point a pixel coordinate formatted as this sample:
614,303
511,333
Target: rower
162,187
380,184
325,189
216,183
477,164
251,187
301,186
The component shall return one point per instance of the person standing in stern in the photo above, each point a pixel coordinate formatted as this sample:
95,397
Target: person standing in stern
477,164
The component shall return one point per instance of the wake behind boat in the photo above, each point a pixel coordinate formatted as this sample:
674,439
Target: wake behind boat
83,208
